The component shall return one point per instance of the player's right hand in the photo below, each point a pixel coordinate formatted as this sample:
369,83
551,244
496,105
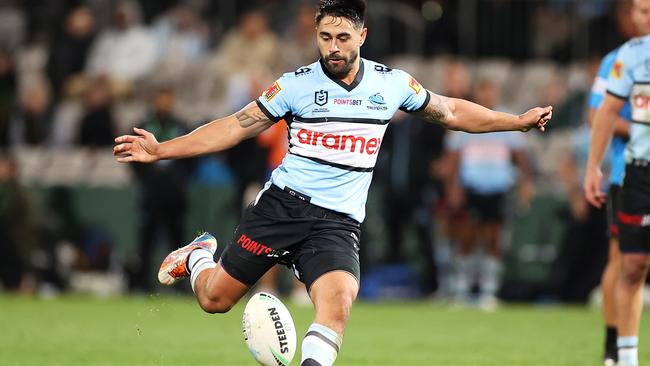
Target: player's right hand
591,186
141,148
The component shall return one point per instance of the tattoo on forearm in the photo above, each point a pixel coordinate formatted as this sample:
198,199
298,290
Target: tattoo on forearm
437,109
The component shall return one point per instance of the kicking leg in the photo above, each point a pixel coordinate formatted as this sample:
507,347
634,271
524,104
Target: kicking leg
215,290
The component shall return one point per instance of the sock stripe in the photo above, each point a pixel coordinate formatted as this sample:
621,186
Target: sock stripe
323,338
310,362
626,347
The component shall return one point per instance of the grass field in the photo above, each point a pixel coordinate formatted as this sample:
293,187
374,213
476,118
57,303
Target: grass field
173,331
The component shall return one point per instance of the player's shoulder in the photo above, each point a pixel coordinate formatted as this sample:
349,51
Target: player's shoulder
635,46
610,57
380,69
303,72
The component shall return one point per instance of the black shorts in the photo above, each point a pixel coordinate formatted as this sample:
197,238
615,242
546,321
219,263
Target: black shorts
485,208
285,228
634,211
613,204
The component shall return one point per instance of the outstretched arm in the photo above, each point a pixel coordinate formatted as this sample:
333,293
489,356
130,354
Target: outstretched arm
463,115
218,135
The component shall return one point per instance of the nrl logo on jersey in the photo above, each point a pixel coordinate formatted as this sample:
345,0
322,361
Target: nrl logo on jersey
320,97
377,102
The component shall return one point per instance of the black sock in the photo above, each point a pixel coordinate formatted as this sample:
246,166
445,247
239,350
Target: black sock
610,341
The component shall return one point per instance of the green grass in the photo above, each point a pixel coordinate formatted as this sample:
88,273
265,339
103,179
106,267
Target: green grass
173,331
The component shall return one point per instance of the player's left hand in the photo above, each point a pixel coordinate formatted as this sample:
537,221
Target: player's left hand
536,118
591,186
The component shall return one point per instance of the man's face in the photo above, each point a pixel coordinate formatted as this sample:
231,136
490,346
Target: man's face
641,16
339,43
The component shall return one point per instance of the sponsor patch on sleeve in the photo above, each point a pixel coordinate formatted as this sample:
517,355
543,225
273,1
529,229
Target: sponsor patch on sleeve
415,85
617,70
272,91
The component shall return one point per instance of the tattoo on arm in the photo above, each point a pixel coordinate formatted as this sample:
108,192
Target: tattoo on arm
250,115
437,110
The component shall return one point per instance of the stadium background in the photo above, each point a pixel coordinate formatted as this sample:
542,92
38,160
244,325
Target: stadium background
74,74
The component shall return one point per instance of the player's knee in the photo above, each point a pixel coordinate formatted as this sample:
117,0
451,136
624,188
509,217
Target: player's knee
634,270
340,304
216,304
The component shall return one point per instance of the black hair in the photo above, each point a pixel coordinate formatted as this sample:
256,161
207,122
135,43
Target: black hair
353,10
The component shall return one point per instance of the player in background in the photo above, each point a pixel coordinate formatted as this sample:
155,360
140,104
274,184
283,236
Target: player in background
626,83
617,150
309,213
484,169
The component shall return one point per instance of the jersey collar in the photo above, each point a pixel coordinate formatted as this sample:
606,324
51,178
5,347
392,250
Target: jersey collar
355,82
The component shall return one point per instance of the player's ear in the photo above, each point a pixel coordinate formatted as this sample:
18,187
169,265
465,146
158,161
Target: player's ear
363,34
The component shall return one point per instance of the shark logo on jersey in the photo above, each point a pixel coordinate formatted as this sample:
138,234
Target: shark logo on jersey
320,97
377,101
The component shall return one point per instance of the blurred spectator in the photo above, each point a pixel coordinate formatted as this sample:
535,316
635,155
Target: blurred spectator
482,177
7,96
33,122
409,147
18,230
298,44
248,46
69,47
181,37
126,51
13,25
162,190
456,79
97,128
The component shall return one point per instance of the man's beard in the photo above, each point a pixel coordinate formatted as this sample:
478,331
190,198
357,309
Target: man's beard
342,70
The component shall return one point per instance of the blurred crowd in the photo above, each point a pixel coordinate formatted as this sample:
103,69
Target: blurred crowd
75,74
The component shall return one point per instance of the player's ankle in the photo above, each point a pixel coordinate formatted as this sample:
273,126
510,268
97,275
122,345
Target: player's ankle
628,350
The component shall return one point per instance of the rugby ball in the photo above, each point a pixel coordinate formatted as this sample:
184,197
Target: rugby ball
269,331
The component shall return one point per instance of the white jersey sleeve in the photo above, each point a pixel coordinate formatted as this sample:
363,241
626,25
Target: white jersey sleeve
621,78
276,101
414,97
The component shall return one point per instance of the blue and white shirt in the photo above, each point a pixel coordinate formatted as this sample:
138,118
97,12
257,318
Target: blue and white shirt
630,80
336,130
485,164
598,90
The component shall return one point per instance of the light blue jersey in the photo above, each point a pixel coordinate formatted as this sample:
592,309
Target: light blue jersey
336,130
598,90
486,160
630,80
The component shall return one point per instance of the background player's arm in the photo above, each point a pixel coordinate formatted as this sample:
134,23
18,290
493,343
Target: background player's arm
463,115
621,125
218,135
601,134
